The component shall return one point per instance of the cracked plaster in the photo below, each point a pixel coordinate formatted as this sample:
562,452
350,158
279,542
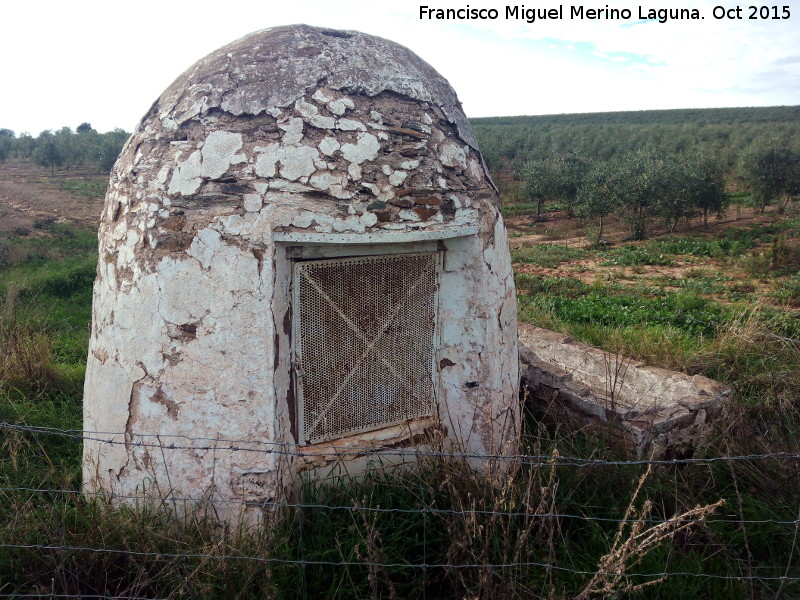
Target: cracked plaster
275,135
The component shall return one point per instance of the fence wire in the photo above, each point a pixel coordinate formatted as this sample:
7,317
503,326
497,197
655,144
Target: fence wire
283,448
396,565
269,504
782,573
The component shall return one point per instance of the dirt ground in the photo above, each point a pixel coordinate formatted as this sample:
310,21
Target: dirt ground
30,194
560,229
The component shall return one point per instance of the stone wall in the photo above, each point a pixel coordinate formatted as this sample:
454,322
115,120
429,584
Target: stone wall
655,412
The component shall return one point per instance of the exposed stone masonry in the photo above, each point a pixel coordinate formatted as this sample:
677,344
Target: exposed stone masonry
289,142
308,156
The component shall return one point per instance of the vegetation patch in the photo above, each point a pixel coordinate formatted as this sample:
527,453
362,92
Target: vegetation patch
88,188
630,256
788,291
697,246
45,308
550,526
685,311
513,209
547,256
65,148
562,286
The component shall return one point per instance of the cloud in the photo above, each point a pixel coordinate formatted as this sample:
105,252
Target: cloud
706,62
787,60
106,63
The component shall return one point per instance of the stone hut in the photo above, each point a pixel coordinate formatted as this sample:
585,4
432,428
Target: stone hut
302,269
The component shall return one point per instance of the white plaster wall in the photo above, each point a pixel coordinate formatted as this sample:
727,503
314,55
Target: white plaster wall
190,341
184,357
477,319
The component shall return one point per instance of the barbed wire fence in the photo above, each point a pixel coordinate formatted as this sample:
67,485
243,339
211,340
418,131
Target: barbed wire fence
785,570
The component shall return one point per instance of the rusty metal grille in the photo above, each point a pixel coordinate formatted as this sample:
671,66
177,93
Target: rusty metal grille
364,342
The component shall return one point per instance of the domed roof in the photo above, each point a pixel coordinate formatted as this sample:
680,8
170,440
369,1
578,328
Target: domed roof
273,68
314,130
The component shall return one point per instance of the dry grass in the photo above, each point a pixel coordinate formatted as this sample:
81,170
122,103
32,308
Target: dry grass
634,540
25,351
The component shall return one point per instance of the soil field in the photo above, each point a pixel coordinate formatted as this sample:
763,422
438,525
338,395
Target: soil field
31,195
694,257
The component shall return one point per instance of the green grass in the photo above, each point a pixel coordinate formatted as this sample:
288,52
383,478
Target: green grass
88,188
402,518
56,242
513,209
754,349
548,256
630,256
562,286
703,247
704,322
788,291
439,513
685,311
662,251
45,308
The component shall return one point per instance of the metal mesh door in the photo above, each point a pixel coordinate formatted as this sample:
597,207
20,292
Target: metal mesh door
364,337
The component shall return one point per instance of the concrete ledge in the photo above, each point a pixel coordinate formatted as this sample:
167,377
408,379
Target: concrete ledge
655,412
435,232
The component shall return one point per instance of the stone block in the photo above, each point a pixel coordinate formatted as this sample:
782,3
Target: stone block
655,412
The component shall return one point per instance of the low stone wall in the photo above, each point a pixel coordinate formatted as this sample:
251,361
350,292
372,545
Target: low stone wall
655,412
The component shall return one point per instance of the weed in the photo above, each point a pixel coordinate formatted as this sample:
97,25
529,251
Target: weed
787,291
751,353
700,246
88,188
547,256
784,255
25,356
700,285
742,287
547,523
47,224
45,289
756,264
635,256
562,286
695,273
517,208
662,345
684,311
62,242
634,540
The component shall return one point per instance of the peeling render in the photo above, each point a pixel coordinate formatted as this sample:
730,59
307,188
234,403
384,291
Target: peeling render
270,150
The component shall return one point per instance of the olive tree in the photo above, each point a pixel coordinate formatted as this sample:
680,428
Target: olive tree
643,179
540,182
555,177
771,172
706,185
47,152
599,195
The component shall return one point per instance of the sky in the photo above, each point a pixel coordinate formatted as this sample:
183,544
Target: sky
65,63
